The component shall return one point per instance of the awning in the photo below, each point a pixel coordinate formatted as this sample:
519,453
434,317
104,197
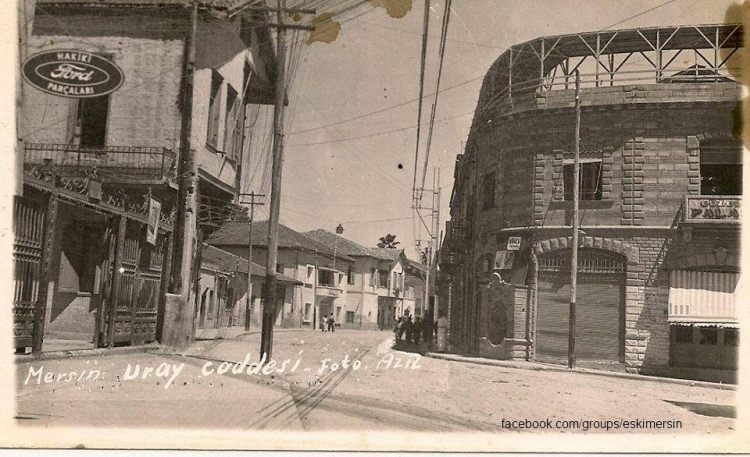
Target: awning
706,324
705,297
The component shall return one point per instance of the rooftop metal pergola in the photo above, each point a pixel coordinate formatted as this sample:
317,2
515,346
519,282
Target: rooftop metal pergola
695,53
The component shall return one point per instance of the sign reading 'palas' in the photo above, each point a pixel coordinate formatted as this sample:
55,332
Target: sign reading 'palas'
71,73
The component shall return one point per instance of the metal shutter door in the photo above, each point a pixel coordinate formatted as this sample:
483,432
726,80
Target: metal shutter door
599,316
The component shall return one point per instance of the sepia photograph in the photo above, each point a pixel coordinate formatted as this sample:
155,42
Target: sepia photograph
374,225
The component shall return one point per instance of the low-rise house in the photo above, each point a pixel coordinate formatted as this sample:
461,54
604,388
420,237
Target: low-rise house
221,293
319,267
377,288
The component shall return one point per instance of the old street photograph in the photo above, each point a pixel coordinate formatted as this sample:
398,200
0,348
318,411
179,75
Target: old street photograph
498,216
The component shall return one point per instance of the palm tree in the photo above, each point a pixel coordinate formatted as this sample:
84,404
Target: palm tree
388,241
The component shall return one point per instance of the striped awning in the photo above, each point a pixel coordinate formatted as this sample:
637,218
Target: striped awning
706,297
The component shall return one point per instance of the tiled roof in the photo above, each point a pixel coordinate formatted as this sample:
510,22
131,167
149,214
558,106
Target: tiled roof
416,265
386,253
228,263
341,244
236,234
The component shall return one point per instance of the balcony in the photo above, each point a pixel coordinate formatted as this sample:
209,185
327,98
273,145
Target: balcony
122,164
324,291
449,260
457,234
712,209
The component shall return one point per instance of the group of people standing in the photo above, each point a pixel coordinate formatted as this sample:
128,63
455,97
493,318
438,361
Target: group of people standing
414,331
327,323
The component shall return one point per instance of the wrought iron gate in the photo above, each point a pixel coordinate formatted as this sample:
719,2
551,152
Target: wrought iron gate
28,245
137,285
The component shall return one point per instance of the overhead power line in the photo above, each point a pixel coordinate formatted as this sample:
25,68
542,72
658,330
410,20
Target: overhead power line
443,37
422,62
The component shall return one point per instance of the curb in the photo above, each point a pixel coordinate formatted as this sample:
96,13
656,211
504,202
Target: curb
611,374
81,353
251,332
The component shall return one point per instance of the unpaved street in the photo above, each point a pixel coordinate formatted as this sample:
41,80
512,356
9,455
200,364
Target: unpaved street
381,389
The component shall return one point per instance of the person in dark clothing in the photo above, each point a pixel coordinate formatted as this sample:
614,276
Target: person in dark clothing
331,323
409,329
417,329
427,330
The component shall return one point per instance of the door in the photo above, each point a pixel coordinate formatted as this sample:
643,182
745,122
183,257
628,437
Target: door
600,308
137,292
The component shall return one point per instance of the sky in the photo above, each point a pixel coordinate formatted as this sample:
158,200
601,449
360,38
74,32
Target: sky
350,173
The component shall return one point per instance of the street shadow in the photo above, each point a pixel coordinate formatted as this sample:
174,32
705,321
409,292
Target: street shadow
707,409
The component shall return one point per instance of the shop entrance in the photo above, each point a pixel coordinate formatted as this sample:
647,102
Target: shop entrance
600,308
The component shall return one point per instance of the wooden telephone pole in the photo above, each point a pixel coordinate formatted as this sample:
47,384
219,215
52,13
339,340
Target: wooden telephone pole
248,302
269,294
179,330
574,249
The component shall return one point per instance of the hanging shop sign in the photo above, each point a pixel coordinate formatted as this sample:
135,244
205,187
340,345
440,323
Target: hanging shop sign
72,73
154,212
514,243
716,209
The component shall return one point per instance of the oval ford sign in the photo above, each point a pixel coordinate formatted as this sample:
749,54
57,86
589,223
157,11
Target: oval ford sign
70,73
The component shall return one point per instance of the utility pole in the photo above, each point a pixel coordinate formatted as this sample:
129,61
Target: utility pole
435,238
433,233
179,331
248,302
574,250
269,305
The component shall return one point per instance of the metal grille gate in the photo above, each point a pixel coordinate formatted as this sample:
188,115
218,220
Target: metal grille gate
28,243
137,290
600,315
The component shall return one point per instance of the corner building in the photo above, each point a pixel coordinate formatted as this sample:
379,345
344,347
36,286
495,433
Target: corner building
660,203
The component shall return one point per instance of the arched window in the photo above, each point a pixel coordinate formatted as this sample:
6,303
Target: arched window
721,167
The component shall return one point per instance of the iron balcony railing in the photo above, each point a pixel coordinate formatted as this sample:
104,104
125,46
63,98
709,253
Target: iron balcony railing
113,163
457,233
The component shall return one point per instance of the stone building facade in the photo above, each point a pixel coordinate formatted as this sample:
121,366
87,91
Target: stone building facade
660,193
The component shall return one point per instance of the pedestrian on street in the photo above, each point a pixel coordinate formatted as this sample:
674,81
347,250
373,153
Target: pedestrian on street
409,329
331,323
417,329
398,329
427,330
323,323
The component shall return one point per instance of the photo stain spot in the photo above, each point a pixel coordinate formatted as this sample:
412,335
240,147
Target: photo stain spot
400,166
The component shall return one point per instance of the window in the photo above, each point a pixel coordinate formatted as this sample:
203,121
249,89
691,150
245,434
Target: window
709,336
350,317
683,334
310,273
233,125
721,168
373,274
230,298
212,135
279,268
350,275
731,337
488,191
308,307
384,279
590,179
91,121
326,278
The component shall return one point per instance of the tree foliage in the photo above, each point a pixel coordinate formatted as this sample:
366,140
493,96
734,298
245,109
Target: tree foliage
388,241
